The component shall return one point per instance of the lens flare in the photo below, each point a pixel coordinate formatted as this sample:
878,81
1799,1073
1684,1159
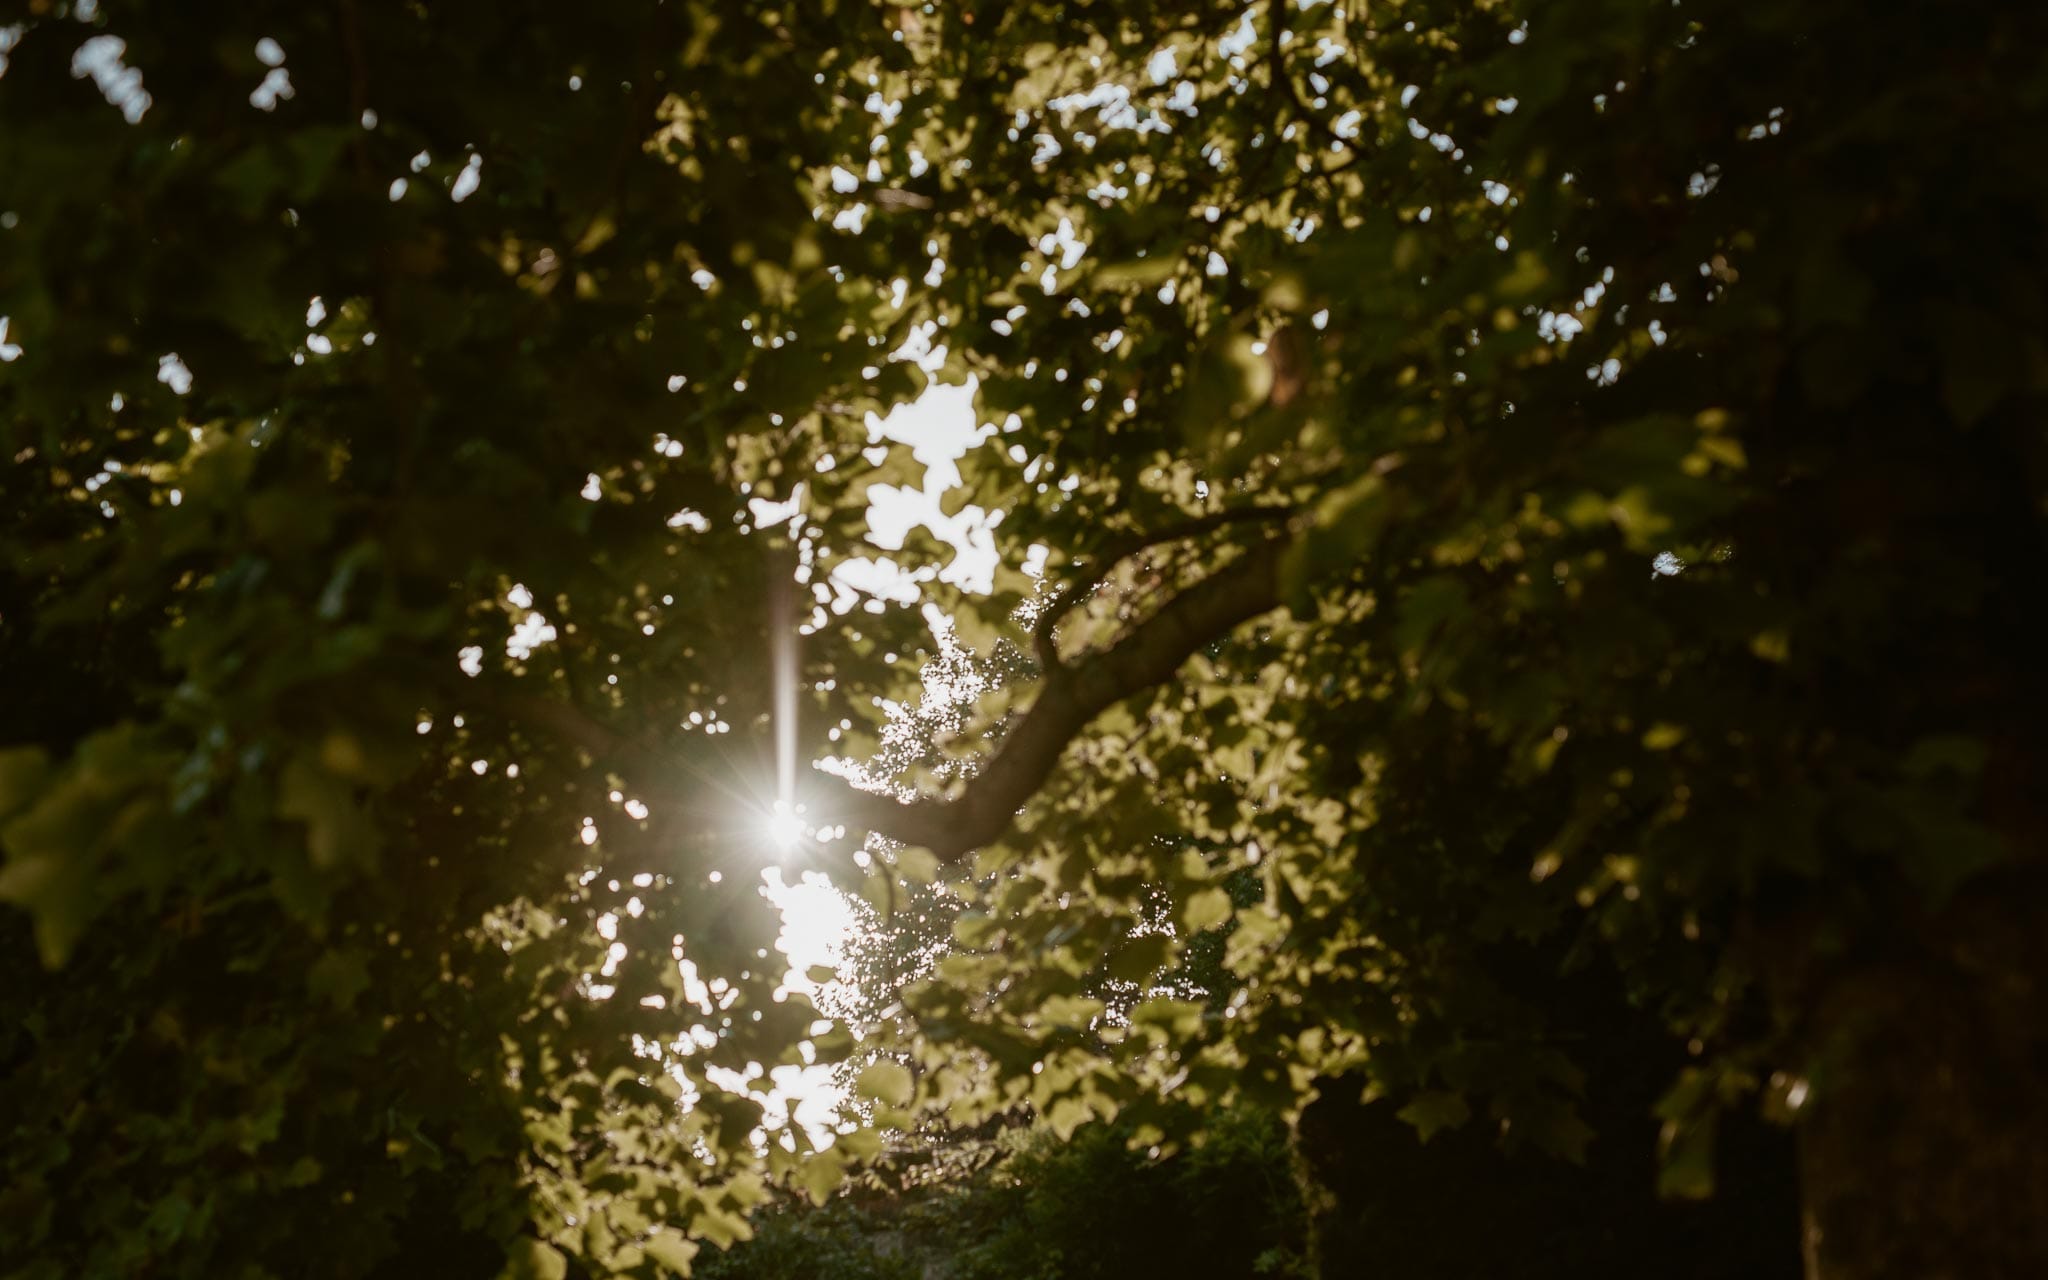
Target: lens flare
782,638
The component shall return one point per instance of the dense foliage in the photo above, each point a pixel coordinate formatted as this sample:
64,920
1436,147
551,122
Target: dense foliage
1512,484
1049,1210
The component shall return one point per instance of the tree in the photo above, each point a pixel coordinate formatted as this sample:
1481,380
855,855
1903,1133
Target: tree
1517,476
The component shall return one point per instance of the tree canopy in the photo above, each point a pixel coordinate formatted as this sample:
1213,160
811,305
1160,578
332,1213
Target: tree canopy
1480,490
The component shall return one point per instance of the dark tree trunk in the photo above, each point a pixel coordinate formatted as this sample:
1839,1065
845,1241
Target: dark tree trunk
1924,1146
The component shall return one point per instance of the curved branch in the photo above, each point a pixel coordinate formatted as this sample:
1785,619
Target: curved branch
1070,698
1077,591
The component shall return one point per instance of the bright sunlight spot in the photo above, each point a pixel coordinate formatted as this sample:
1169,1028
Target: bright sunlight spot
785,829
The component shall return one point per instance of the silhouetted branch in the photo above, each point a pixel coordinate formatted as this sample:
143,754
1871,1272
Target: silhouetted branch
1069,698
1077,590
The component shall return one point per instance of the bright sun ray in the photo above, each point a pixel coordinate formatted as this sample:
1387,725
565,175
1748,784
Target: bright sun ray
782,629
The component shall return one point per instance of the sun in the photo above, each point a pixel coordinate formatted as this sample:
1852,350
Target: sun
785,829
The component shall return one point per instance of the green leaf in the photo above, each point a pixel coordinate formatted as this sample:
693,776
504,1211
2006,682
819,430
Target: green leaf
1181,1018
1435,1111
822,1173
1345,528
1069,1011
1771,646
338,977
25,880
1068,1114
1142,273
1140,959
531,1259
919,866
975,929
670,1250
955,500
23,773
1685,1150
886,1082
1663,736
1206,910
338,831
1431,605
56,894
1726,450
720,1226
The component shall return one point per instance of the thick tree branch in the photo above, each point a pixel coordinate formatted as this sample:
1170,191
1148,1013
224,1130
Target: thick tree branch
1077,590
1070,698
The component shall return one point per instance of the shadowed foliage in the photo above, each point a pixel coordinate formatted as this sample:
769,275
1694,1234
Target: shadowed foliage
1513,492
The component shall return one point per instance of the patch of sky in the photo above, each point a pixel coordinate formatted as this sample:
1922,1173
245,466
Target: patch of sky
121,85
